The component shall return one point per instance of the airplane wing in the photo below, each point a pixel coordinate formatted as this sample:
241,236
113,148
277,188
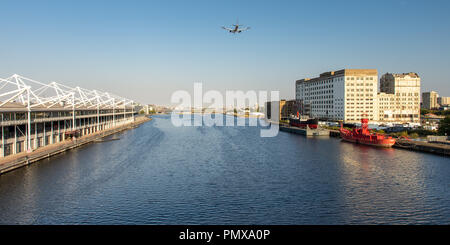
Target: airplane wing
244,29
228,29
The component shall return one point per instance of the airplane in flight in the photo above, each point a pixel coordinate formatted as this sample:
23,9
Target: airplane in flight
236,29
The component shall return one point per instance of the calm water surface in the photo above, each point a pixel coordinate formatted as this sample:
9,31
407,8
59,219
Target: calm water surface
160,174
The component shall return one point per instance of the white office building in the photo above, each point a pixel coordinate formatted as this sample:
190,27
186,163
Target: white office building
347,95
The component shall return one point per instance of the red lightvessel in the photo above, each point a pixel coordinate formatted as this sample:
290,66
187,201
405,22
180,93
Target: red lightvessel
363,135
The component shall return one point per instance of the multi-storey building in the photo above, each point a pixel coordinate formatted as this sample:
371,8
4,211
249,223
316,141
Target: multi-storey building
347,95
399,98
443,101
286,108
429,100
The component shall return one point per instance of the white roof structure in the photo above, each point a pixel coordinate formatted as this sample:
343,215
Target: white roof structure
18,93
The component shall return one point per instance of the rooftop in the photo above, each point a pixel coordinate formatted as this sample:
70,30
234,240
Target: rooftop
345,72
403,75
18,93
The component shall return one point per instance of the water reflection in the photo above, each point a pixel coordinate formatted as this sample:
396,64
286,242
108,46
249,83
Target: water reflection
382,185
160,174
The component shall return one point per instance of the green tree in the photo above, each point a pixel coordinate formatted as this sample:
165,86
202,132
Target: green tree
424,111
444,126
443,113
404,133
414,135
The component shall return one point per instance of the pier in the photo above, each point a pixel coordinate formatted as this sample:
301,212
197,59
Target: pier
435,148
411,145
305,131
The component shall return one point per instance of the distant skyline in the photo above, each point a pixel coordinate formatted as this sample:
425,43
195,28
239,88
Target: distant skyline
146,50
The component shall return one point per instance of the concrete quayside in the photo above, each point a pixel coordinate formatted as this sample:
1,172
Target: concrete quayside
305,131
412,145
15,161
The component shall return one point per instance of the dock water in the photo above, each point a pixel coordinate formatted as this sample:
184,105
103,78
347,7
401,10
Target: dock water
428,147
23,159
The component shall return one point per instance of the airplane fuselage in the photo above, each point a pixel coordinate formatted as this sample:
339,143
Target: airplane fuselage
235,29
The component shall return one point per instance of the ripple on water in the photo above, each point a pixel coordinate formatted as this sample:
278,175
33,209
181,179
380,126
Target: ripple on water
160,174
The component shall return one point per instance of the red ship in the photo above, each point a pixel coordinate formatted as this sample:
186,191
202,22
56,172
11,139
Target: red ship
303,123
364,136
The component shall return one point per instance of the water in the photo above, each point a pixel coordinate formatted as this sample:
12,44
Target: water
159,174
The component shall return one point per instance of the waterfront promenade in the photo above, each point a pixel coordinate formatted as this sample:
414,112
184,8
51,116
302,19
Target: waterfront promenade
12,162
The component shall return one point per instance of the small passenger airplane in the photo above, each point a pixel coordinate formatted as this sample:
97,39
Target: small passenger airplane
236,29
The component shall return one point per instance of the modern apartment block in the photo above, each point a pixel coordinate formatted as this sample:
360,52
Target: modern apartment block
429,100
399,98
347,95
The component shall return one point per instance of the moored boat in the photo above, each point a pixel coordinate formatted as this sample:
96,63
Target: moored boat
362,135
303,123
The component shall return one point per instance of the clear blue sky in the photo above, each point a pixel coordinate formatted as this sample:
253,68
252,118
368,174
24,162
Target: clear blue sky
145,50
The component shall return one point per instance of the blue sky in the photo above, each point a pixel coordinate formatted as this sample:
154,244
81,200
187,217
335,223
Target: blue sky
145,50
